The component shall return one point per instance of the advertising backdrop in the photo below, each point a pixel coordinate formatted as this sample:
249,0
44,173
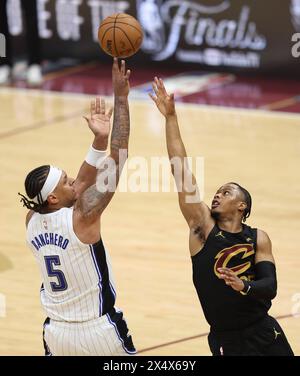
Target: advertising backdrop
234,35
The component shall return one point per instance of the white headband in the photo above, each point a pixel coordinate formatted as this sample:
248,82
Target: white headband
49,185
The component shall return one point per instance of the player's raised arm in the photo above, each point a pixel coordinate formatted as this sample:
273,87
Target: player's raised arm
194,210
94,200
99,123
121,124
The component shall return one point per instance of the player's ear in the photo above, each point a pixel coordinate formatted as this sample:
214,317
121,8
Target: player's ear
242,206
52,199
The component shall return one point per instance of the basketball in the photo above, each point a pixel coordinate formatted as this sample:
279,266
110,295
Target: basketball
120,35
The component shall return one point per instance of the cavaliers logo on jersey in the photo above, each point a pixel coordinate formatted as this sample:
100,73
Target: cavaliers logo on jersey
224,257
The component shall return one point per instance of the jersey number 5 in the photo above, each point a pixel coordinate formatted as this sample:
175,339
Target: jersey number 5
51,262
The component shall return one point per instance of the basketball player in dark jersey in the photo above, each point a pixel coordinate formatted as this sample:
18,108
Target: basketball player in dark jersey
233,266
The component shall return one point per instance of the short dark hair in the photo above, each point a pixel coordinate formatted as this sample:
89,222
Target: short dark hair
248,200
33,185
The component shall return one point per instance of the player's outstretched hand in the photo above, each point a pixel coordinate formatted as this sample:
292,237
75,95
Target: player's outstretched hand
120,78
164,101
231,279
99,119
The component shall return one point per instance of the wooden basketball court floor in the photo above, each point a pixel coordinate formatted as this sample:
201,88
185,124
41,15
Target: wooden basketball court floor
145,232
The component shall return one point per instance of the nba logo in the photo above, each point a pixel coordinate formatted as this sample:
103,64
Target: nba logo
45,224
2,306
2,45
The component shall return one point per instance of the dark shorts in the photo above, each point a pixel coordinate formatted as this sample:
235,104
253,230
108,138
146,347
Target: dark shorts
264,338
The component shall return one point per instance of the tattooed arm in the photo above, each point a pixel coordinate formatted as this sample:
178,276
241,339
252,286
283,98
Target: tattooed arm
95,199
99,124
121,125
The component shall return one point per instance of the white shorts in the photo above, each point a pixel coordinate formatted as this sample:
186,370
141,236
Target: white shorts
104,336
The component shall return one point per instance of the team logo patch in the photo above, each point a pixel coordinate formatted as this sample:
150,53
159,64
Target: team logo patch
224,257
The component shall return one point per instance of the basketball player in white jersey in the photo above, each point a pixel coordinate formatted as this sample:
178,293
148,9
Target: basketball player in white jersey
63,232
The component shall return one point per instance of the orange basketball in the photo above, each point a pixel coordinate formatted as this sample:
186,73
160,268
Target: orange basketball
120,35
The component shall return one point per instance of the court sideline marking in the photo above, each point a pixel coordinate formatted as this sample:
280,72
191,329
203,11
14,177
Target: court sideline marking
62,118
284,103
196,336
40,124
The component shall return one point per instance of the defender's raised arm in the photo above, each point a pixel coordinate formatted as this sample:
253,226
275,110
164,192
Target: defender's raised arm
197,214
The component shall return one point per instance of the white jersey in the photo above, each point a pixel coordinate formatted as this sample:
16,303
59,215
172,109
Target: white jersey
77,278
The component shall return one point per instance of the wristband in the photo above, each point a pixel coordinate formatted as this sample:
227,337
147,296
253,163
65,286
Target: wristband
94,155
246,288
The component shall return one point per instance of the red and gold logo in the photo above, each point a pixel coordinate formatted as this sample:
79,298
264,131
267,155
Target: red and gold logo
223,258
